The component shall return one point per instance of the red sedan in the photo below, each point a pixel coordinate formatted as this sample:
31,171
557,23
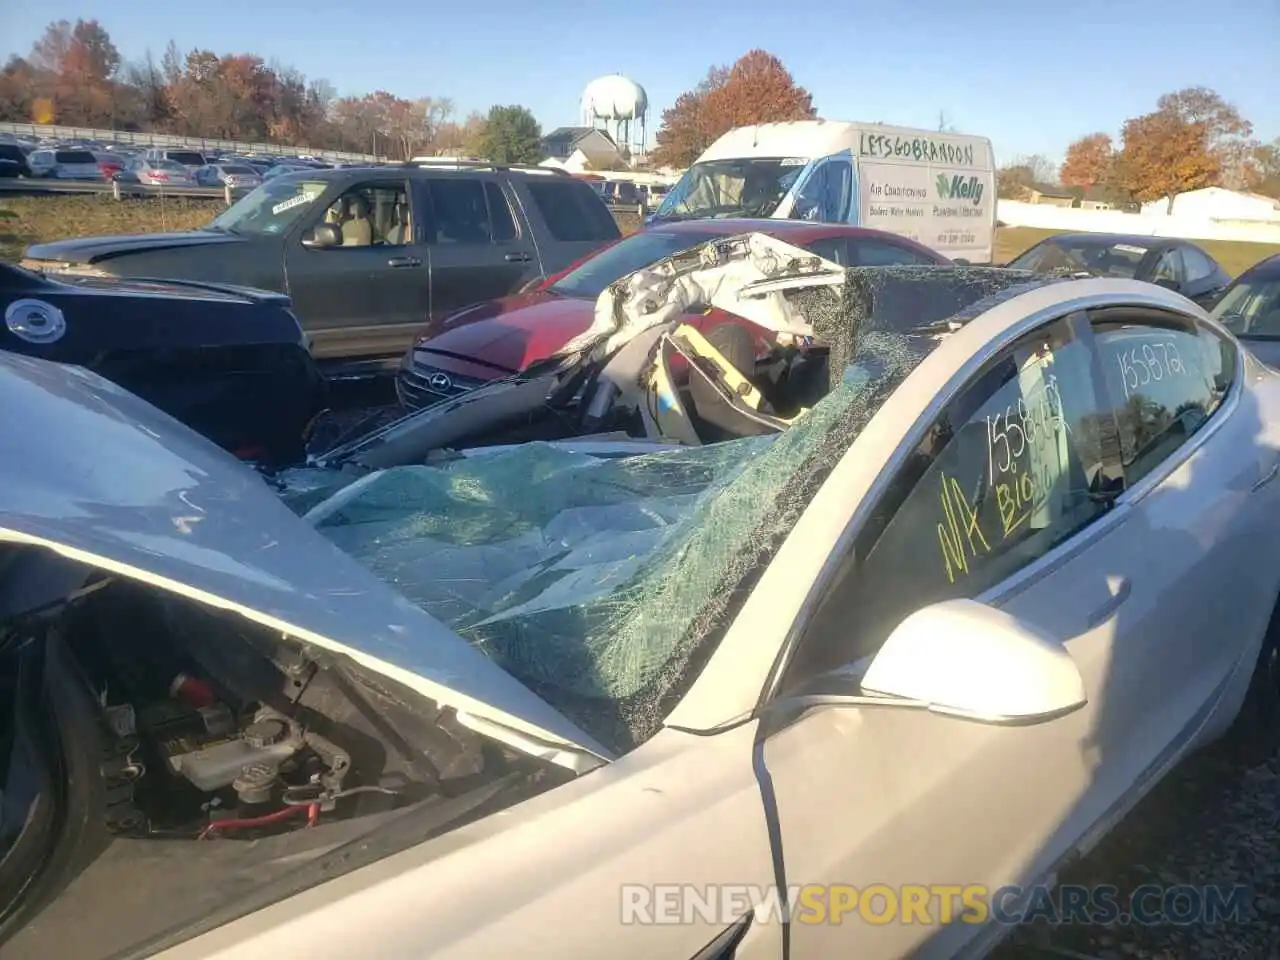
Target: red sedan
497,338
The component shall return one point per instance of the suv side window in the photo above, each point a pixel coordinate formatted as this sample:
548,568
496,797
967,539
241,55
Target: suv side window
1008,471
879,253
1164,377
372,214
461,212
572,210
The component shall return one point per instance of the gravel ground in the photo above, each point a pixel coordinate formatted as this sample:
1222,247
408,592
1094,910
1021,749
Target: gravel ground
1208,823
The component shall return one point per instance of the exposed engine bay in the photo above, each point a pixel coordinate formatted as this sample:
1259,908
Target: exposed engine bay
196,726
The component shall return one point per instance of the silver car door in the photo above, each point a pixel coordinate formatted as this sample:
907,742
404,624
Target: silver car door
1198,467
1009,500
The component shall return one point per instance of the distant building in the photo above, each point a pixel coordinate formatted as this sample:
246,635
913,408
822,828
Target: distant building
1049,195
1095,198
580,148
1217,203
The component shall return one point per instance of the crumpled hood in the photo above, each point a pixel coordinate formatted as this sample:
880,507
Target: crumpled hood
747,275
100,476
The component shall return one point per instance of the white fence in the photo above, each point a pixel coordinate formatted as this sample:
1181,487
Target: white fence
1048,217
42,131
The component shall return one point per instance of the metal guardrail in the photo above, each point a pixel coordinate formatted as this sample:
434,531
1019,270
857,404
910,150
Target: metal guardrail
50,131
117,190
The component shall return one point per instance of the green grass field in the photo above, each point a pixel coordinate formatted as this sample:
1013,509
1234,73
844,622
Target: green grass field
27,220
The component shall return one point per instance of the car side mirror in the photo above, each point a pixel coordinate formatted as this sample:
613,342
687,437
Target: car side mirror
322,236
966,659
1168,284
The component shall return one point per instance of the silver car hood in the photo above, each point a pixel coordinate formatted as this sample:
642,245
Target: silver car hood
102,477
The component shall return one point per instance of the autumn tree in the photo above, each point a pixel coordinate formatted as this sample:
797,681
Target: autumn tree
511,135
1265,171
1021,175
1227,134
1165,154
1088,161
756,89
75,75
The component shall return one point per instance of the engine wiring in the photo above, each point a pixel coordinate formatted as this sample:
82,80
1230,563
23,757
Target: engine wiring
262,821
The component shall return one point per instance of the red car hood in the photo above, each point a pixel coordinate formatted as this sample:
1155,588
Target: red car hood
511,333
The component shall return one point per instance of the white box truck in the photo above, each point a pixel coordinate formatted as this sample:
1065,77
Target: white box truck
936,188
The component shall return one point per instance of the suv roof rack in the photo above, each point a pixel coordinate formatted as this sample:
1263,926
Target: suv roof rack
444,163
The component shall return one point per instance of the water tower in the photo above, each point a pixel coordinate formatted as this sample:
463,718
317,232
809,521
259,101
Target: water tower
615,102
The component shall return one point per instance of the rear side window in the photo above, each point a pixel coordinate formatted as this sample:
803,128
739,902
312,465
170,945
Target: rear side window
1165,377
74,156
572,210
461,212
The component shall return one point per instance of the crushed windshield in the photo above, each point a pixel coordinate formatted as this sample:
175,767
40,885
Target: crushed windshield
594,580
736,187
270,208
627,256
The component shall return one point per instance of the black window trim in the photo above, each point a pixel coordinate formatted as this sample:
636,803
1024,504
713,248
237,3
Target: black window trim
500,185
1164,317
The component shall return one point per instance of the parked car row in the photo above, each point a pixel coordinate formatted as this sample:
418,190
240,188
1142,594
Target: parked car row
599,626
74,160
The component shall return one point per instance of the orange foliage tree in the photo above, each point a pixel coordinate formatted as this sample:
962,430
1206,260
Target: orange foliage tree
756,89
1165,154
1088,161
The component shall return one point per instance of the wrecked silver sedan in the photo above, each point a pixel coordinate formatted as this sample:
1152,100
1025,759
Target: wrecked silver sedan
478,683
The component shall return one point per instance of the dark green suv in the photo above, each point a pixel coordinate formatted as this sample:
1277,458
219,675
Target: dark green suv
369,254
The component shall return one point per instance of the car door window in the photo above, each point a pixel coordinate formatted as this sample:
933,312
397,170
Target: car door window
835,249
1013,467
1168,266
1164,377
460,210
372,215
877,253
1197,265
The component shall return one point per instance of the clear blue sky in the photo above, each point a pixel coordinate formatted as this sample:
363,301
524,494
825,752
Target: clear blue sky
1030,76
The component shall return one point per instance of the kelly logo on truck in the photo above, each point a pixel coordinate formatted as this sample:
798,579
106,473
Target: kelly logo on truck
960,187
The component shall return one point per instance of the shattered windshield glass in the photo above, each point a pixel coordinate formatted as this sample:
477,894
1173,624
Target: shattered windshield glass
596,581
